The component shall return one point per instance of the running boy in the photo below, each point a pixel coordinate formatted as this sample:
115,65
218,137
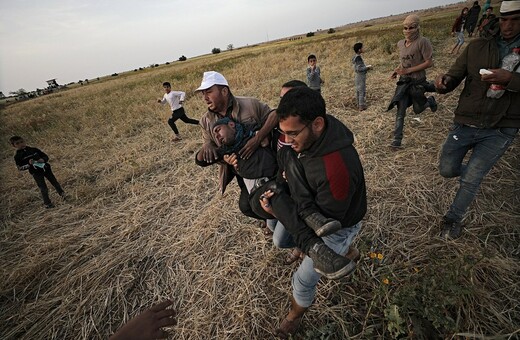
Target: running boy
175,99
36,161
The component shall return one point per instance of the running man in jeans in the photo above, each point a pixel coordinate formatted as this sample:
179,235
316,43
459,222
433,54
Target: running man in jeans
485,124
175,99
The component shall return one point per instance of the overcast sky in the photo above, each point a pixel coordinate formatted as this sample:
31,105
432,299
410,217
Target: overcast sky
71,40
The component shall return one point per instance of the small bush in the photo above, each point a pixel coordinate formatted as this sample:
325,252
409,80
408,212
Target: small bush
310,34
388,47
215,50
182,58
331,30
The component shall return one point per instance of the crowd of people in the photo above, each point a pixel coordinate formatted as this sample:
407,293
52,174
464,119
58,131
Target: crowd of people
297,166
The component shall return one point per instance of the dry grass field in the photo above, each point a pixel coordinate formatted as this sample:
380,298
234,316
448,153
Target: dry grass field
144,223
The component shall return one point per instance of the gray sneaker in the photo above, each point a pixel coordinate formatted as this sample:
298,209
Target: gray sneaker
451,229
322,225
329,264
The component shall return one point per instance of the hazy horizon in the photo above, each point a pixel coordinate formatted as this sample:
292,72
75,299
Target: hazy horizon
73,40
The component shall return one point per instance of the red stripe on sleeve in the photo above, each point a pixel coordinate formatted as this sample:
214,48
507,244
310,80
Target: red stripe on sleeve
337,175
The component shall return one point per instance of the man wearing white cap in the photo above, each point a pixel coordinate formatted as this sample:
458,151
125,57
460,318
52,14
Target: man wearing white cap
248,111
487,117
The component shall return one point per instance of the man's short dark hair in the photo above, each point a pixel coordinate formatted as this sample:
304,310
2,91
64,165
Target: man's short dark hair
14,139
357,47
294,83
491,8
166,84
302,102
311,56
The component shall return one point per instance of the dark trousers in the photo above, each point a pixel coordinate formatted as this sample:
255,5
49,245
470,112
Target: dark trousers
180,114
243,201
290,209
285,210
418,107
39,177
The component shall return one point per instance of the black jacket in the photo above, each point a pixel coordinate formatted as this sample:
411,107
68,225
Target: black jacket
414,89
23,156
474,107
335,175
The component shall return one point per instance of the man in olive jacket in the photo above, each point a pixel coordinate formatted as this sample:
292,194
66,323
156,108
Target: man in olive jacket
482,123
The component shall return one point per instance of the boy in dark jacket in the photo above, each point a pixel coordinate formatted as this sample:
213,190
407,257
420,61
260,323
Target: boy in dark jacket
36,161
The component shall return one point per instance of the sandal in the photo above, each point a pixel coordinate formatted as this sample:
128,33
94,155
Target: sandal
353,254
287,328
268,234
293,256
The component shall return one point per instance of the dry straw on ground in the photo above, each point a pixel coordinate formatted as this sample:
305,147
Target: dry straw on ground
144,223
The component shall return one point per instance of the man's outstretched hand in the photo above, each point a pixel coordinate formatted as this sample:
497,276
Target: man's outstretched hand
148,325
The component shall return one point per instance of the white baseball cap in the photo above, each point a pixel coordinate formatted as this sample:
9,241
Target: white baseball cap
509,7
211,78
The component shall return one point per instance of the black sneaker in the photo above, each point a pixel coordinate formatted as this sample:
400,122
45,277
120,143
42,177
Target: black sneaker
451,229
322,225
49,206
329,264
433,103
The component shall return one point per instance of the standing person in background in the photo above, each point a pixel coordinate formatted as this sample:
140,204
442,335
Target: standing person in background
175,99
486,18
360,78
472,19
487,4
487,116
416,55
314,73
457,30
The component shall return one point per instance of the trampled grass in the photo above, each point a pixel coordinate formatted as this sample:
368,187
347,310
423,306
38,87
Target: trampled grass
144,223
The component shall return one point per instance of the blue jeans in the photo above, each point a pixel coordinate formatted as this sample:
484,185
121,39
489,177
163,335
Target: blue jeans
460,37
305,279
488,146
281,237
